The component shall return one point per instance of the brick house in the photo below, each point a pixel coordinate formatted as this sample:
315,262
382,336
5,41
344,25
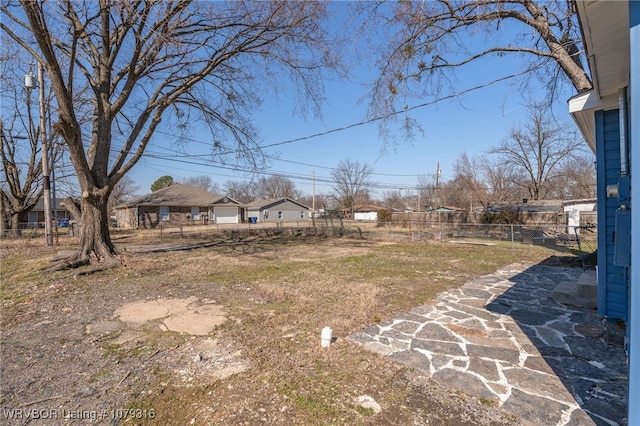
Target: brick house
178,205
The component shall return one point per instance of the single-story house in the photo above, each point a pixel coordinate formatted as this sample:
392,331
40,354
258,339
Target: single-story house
529,206
530,211
178,205
35,217
277,210
366,212
608,117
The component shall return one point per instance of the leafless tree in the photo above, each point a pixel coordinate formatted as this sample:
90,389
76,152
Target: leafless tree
537,149
22,176
427,41
428,190
502,180
203,182
468,176
21,186
183,62
243,192
394,199
351,182
576,179
485,179
276,186
320,200
125,190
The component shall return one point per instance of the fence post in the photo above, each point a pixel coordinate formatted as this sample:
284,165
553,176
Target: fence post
513,246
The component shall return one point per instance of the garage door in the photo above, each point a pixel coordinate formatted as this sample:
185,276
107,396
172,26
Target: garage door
226,214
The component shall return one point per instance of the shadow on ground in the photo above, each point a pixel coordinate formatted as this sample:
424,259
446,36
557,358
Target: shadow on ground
503,338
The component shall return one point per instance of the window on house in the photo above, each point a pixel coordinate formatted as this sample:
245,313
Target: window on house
279,215
164,213
195,213
302,214
33,219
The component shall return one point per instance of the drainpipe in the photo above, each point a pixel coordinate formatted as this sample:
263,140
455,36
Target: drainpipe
624,155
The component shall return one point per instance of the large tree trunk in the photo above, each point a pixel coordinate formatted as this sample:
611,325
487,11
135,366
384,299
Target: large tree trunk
15,224
95,241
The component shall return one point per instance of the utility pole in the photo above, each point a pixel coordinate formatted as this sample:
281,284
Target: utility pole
437,180
313,192
45,160
30,84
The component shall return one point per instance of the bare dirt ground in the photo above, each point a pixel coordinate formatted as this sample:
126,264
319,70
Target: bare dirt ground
229,333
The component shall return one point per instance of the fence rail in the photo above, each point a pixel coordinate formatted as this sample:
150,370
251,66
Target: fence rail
578,240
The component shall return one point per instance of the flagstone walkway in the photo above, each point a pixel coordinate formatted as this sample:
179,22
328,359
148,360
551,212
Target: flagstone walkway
502,337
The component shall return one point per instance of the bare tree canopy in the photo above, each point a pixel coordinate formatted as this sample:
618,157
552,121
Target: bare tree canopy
427,190
21,168
203,182
485,179
351,182
427,41
125,190
276,186
183,62
576,178
537,149
20,139
241,191
394,199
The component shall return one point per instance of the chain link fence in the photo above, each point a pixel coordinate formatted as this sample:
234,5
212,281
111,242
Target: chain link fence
581,241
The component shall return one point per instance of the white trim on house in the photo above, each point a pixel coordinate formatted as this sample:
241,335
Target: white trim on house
582,108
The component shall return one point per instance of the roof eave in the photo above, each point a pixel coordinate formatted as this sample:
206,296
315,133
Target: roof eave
582,108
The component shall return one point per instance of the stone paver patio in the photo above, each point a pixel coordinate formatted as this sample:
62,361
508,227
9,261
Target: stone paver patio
502,337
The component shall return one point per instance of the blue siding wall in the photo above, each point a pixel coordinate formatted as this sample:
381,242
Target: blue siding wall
634,142
612,279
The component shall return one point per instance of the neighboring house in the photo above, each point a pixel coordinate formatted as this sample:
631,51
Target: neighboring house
530,212
277,210
178,205
579,213
529,206
368,212
35,217
609,118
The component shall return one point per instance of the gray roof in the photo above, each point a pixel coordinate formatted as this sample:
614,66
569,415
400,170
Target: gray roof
54,204
269,202
175,195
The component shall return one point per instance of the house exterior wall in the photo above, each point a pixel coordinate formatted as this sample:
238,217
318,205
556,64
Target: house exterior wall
35,218
634,287
126,217
285,211
365,215
149,216
612,279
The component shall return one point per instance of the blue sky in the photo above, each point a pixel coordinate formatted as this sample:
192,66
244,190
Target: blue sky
472,123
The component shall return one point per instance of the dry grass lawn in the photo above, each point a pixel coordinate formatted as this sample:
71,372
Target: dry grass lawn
278,291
